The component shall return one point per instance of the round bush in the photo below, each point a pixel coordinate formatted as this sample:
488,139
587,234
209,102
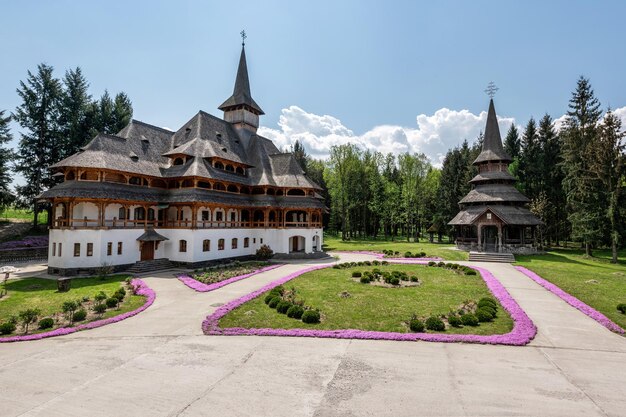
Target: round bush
100,308
469,271
394,281
365,280
112,302
384,263
621,308
454,320
469,320
268,298
489,309
279,289
7,328
416,326
47,323
356,274
274,302
120,290
435,324
80,315
360,263
283,306
486,301
422,254
311,317
376,263
483,315
441,264
432,263
368,263
408,254
336,266
414,279
119,296
295,312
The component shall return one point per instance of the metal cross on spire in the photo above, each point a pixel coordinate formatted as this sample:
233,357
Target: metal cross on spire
243,37
491,89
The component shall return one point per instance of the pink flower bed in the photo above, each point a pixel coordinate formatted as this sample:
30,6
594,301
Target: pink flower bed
202,287
523,329
573,301
140,289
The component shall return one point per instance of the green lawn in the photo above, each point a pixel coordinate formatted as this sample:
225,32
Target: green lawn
442,250
595,281
13,213
370,307
42,294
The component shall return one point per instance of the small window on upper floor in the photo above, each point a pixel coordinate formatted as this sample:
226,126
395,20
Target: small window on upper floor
178,161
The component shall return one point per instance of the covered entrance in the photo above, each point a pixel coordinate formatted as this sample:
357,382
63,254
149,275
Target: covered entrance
490,238
149,243
296,244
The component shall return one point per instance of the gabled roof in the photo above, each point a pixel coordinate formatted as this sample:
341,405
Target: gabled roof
492,149
510,215
241,92
150,235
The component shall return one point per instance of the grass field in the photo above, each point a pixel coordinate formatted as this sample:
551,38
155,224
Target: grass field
13,213
442,250
42,294
595,281
370,307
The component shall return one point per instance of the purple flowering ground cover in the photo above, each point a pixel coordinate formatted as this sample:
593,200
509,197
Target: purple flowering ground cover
25,243
140,289
202,287
523,330
573,301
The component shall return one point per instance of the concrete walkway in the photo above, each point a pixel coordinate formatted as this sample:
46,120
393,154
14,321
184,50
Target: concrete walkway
160,364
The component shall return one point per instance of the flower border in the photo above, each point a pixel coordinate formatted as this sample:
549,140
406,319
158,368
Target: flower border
381,255
140,288
523,328
571,300
202,287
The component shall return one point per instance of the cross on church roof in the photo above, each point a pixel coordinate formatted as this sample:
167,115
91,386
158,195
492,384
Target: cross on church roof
243,37
491,89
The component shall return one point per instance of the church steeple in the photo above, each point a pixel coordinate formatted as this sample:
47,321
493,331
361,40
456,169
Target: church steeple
492,143
240,108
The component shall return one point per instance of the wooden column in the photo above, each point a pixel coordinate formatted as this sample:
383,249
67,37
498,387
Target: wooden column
145,216
194,216
70,219
178,216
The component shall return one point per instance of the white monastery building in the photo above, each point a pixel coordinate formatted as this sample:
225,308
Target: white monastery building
213,189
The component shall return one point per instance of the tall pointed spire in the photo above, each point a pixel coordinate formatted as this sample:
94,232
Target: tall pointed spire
492,143
241,93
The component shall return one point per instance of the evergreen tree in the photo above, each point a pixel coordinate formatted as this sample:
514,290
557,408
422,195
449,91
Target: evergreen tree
74,123
512,143
582,188
609,165
6,156
122,113
298,151
528,168
39,146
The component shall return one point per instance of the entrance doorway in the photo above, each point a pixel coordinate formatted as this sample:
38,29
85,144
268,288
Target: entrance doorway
296,244
490,237
147,251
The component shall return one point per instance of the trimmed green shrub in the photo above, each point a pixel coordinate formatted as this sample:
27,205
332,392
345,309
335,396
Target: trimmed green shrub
274,302
408,254
112,302
121,290
441,264
375,262
101,296
384,263
435,324
100,308
7,328
414,279
279,289
268,298
422,255
311,317
48,322
119,296
360,263
416,326
486,301
283,306
432,263
80,315
368,263
394,281
454,320
469,320
365,280
336,266
295,312
356,274
483,315
621,307
264,253
489,309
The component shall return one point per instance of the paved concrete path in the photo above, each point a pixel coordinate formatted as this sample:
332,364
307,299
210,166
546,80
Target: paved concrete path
160,364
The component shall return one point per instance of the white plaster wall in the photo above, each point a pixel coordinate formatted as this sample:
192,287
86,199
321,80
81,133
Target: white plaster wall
277,239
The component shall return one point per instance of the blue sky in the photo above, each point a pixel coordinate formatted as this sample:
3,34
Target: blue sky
329,71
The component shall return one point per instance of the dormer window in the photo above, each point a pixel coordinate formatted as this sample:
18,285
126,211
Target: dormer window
178,161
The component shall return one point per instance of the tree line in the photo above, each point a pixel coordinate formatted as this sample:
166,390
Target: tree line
57,117
574,176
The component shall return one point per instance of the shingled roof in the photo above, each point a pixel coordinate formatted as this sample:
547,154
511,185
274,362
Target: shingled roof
492,143
241,92
513,215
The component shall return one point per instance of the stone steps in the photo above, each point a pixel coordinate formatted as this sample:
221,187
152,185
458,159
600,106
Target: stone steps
491,257
141,267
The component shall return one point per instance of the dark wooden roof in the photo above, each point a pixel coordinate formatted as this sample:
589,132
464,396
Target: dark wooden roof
492,149
150,235
493,175
492,193
510,215
241,92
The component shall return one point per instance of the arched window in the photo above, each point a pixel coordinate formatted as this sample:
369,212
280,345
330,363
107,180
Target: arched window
203,184
229,168
234,243
240,171
220,244
135,181
246,242
150,214
271,191
232,189
70,176
140,213
206,245
233,216
121,213
178,161
219,165
296,191
182,246
219,186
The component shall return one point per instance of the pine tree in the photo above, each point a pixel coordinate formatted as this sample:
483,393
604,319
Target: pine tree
609,165
528,168
298,151
39,146
582,188
512,143
6,156
122,113
74,124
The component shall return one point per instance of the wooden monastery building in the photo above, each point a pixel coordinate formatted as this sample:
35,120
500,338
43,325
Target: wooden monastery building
213,189
493,216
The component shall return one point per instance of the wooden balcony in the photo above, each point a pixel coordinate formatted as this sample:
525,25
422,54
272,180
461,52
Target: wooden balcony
86,223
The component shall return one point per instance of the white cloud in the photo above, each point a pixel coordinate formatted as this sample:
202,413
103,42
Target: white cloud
433,134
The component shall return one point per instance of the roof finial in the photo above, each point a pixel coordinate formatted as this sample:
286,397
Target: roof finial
243,37
491,89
